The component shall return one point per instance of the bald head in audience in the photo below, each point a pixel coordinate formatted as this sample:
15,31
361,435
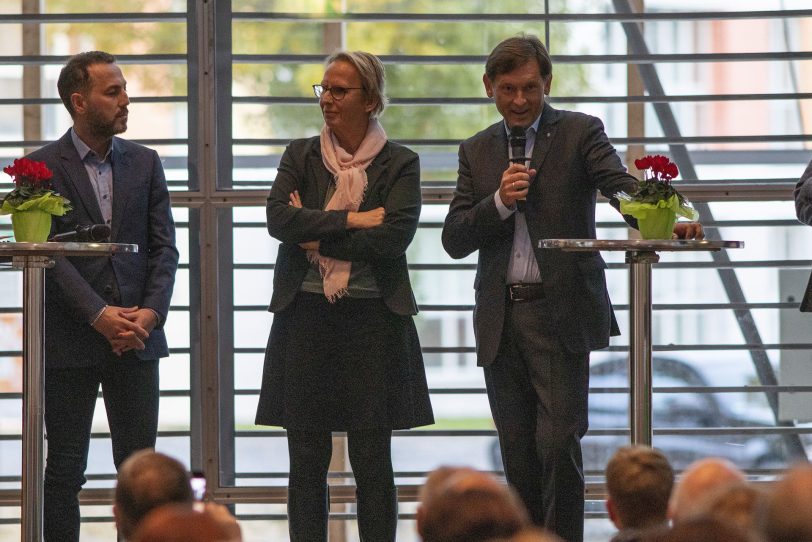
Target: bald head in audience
700,529
460,504
639,480
529,535
789,508
147,480
739,504
698,481
178,523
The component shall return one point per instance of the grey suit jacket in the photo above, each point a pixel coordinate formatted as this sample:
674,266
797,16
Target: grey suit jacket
803,196
803,210
78,287
574,159
393,182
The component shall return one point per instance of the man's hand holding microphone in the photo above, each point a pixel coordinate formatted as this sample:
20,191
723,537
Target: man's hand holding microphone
516,178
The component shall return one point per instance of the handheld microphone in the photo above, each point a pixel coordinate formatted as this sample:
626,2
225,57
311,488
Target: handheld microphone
84,233
518,142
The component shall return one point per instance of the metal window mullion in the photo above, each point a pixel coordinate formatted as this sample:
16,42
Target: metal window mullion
56,60
478,60
471,100
523,17
62,18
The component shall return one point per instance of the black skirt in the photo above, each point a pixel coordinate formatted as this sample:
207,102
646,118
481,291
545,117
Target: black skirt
349,365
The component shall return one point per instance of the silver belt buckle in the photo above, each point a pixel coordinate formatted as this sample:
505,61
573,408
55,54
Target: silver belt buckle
515,296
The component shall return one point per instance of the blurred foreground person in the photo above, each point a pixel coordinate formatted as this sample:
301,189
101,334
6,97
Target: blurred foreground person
700,529
529,535
150,480
146,481
178,523
789,507
738,504
699,480
343,353
466,505
639,480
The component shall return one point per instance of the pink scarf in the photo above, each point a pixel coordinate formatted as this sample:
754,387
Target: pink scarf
349,173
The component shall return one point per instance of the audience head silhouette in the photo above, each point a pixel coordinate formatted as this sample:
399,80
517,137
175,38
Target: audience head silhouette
639,480
178,523
146,481
465,505
699,479
788,516
699,529
739,504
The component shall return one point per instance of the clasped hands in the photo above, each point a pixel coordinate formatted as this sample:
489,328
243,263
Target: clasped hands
126,328
355,220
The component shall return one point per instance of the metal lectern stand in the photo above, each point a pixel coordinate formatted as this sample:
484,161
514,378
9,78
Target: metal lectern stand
640,255
33,259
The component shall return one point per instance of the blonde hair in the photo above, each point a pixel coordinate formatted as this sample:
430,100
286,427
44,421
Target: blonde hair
373,75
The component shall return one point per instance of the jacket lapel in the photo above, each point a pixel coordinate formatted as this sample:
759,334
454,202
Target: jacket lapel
500,161
122,185
544,137
374,171
323,179
76,176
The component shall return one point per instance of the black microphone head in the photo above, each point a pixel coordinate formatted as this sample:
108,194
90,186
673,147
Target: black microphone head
84,233
518,132
518,140
97,233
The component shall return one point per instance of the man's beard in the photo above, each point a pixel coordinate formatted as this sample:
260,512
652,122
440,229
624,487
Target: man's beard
103,128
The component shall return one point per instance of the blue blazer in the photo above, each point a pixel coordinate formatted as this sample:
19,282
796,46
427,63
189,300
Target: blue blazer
76,288
574,160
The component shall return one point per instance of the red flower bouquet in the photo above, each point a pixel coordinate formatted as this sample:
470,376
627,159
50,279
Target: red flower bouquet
656,204
32,202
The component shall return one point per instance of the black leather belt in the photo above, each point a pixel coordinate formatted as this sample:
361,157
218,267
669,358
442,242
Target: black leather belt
525,292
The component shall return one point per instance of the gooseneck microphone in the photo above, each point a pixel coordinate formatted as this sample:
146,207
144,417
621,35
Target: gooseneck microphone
518,142
84,233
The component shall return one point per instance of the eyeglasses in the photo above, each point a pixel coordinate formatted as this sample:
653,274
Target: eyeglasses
337,93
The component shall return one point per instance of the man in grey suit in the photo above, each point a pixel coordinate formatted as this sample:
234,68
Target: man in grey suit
104,316
538,313
803,196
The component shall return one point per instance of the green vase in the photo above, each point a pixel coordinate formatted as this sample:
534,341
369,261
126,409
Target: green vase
32,226
657,223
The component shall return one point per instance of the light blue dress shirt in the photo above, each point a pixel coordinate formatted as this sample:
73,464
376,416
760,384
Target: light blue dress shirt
522,266
100,172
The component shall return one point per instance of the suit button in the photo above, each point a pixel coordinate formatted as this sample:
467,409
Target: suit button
108,289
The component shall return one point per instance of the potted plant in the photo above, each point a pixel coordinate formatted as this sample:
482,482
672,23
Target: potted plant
32,203
656,204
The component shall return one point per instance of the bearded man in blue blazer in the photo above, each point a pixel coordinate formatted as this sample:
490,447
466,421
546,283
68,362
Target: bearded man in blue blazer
104,316
538,313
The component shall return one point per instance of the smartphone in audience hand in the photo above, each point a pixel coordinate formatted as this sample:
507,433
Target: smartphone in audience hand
198,482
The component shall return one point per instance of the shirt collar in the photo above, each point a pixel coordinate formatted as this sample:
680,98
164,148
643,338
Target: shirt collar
84,150
534,126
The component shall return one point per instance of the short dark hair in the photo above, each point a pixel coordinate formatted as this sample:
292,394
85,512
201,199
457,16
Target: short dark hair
639,480
146,481
74,76
515,52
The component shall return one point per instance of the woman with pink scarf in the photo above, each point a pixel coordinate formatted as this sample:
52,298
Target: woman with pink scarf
343,354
